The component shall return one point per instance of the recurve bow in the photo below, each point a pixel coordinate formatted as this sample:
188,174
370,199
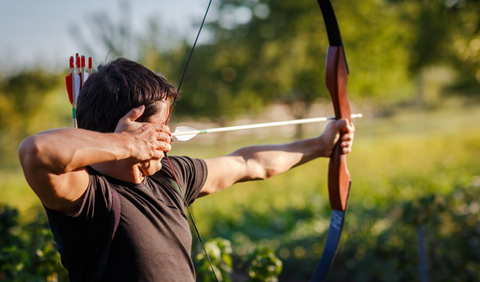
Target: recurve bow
338,176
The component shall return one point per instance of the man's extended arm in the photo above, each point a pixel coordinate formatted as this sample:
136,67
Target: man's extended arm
54,161
265,161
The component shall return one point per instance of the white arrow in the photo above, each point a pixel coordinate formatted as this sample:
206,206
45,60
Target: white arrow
185,133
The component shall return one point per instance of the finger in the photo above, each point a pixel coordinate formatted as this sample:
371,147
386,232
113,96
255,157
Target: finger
164,137
346,144
344,125
347,150
350,127
171,138
340,124
158,155
164,147
347,137
167,148
164,128
134,114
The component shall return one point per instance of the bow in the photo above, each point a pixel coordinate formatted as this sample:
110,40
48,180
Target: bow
338,176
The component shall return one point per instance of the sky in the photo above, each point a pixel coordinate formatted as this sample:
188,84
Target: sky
37,33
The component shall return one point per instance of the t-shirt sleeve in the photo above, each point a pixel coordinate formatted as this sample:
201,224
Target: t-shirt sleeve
83,235
93,214
190,172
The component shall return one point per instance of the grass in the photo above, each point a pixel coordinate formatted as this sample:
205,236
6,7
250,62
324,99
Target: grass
15,192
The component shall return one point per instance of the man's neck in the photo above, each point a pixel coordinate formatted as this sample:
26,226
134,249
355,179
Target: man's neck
120,170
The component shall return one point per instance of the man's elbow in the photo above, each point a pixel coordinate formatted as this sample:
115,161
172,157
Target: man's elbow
34,154
29,153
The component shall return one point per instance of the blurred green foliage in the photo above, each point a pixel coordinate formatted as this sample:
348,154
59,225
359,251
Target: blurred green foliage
278,55
377,245
27,251
264,265
30,101
219,252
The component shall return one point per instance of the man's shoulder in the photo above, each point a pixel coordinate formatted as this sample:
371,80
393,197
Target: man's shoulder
182,161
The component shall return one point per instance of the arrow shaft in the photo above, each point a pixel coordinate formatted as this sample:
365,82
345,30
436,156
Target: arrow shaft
258,125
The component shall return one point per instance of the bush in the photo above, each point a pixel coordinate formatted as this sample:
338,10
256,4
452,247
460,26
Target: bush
434,238
27,251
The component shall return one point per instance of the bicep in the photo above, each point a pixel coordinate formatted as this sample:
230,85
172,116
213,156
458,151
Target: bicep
61,192
57,189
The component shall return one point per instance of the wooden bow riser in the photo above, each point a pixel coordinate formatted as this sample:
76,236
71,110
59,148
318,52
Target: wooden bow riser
336,79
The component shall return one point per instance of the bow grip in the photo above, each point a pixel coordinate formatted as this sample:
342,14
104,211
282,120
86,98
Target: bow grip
336,80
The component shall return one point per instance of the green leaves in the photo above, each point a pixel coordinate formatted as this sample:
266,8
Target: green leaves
12,262
219,250
27,251
264,265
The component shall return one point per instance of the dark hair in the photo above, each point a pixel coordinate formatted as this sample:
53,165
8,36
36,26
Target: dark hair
115,89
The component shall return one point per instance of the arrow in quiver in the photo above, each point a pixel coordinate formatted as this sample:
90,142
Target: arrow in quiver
75,80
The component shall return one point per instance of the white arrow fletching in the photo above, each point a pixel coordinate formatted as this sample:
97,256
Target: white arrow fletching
77,88
185,133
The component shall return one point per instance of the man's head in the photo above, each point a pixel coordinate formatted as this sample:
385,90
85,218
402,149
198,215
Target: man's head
115,89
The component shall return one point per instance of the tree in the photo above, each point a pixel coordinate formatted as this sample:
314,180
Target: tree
23,98
443,34
266,51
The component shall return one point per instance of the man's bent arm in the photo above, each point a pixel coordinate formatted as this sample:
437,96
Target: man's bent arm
54,161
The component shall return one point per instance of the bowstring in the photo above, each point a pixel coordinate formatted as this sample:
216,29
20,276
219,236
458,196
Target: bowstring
166,155
188,61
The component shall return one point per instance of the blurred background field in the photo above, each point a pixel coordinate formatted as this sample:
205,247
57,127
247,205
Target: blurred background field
414,213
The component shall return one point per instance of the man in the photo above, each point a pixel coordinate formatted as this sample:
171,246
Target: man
118,152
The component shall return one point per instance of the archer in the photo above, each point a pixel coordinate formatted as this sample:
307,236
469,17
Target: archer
109,178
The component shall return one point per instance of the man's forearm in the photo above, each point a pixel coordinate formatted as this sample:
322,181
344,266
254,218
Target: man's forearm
262,162
64,150
265,161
